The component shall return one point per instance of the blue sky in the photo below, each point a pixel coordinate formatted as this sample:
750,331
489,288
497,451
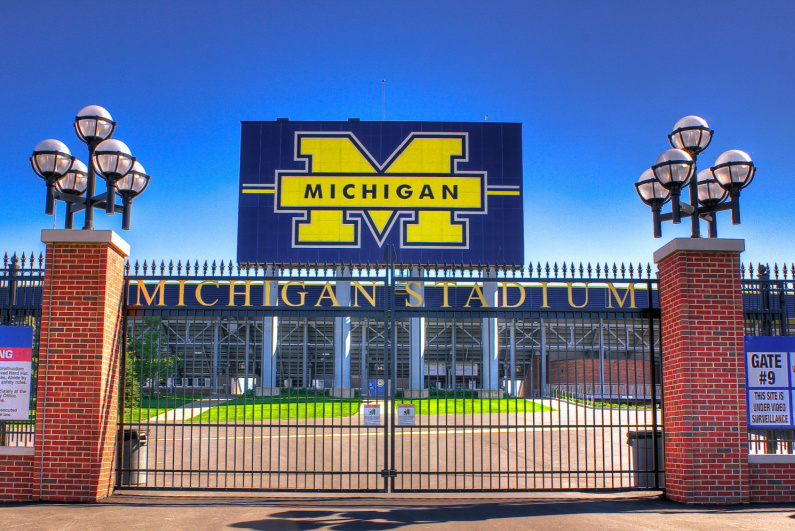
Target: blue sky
598,86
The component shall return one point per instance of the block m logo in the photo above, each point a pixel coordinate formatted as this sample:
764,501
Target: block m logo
342,184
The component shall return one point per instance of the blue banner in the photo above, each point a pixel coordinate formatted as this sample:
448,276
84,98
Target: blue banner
339,192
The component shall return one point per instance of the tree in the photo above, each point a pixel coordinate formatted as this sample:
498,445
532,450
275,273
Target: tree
149,359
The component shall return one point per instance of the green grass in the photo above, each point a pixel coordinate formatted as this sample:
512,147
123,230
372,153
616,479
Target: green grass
279,408
453,406
154,405
605,404
290,408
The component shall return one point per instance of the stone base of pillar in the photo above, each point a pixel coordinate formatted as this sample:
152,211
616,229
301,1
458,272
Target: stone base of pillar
342,392
491,393
267,391
416,393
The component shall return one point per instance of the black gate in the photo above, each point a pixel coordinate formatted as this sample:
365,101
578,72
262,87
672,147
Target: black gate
397,378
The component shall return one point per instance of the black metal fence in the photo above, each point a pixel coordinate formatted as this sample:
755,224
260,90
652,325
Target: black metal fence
21,281
769,305
542,394
391,378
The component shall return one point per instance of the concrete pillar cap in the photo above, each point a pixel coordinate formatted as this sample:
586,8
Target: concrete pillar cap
713,245
86,236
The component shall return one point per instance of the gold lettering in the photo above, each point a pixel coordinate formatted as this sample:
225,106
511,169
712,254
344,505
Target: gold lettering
571,300
445,284
544,303
504,286
323,295
612,290
301,293
181,301
199,292
476,289
247,292
266,294
416,294
161,287
360,288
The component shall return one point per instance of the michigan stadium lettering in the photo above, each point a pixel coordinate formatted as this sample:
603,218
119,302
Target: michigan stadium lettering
364,294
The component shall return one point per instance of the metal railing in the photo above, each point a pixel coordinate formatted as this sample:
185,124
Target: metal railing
265,377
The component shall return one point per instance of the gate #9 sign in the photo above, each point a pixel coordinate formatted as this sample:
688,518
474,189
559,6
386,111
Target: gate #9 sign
16,350
338,192
770,373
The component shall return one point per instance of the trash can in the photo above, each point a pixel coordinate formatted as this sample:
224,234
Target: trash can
134,454
642,446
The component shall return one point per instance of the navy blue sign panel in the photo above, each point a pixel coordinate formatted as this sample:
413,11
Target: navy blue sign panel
339,192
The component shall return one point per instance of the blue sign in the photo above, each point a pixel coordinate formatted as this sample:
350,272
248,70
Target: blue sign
376,387
769,377
339,192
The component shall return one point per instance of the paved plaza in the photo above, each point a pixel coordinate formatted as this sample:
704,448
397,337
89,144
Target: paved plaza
564,511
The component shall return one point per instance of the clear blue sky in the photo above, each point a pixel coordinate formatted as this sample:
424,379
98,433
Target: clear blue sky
597,85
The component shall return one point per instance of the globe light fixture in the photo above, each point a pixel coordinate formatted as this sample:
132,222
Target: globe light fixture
673,170
709,189
653,194
69,180
129,187
51,160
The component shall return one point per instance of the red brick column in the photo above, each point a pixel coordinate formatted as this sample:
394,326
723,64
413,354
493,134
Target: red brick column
706,455
79,362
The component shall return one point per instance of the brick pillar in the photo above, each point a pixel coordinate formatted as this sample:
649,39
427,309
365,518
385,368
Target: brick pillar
79,363
706,456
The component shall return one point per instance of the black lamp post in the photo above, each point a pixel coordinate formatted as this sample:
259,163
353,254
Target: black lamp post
67,178
676,168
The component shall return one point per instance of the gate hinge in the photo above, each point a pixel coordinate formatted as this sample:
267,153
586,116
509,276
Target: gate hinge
392,473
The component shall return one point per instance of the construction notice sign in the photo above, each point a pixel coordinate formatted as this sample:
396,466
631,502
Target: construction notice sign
371,414
770,373
405,416
16,352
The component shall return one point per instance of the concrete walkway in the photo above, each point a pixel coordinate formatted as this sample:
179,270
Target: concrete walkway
188,411
559,511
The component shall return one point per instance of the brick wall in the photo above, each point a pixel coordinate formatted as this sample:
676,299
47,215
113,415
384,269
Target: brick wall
706,456
79,361
16,477
772,482
631,371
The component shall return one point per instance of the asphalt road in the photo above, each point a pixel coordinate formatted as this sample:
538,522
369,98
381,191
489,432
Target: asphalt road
559,511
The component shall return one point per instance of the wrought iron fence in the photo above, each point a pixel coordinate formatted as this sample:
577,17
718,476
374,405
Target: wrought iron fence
769,306
21,281
293,377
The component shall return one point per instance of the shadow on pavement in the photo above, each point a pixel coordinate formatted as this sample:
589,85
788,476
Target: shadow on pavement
352,514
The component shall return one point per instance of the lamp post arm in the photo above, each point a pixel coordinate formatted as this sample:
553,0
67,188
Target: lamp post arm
695,229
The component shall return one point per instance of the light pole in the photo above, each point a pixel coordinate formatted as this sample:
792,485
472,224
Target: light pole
675,169
67,178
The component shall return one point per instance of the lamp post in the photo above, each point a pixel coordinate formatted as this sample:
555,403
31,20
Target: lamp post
709,189
67,179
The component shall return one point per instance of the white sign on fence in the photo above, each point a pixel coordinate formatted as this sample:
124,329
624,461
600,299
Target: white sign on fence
405,416
769,372
371,414
16,352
